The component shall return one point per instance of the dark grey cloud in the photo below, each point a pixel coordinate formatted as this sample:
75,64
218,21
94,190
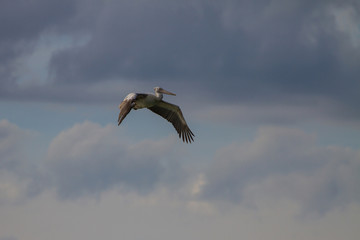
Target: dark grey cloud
31,17
22,23
240,51
284,163
147,40
258,46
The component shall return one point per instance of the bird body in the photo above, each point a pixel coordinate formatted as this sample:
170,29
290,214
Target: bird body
154,103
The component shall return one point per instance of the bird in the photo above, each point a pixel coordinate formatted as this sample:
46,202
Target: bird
154,103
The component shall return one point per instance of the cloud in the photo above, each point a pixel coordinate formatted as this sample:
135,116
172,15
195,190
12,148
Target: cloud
19,39
10,142
16,169
89,159
282,163
257,46
8,238
244,52
294,110
85,160
13,147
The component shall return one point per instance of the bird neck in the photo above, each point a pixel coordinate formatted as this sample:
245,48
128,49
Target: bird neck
159,95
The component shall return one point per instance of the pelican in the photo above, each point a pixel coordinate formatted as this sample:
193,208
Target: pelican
154,103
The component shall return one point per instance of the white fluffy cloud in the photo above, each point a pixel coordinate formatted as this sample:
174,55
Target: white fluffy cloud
86,159
283,172
89,159
283,163
11,140
15,168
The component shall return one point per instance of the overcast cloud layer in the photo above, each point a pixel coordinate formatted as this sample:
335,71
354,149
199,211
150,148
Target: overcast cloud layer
266,52
270,89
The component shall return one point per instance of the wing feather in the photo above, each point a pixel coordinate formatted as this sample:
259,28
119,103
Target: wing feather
125,108
173,114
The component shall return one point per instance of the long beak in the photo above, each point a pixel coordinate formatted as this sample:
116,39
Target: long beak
167,92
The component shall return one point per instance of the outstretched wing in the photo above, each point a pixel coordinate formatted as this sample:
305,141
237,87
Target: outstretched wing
173,114
125,108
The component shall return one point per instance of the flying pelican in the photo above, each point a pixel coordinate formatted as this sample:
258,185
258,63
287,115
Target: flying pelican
154,103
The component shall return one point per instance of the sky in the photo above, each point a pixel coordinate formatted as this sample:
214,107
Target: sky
270,88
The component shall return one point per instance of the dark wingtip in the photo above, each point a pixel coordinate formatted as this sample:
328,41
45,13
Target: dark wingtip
187,136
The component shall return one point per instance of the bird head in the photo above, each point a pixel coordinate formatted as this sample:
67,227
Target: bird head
160,90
